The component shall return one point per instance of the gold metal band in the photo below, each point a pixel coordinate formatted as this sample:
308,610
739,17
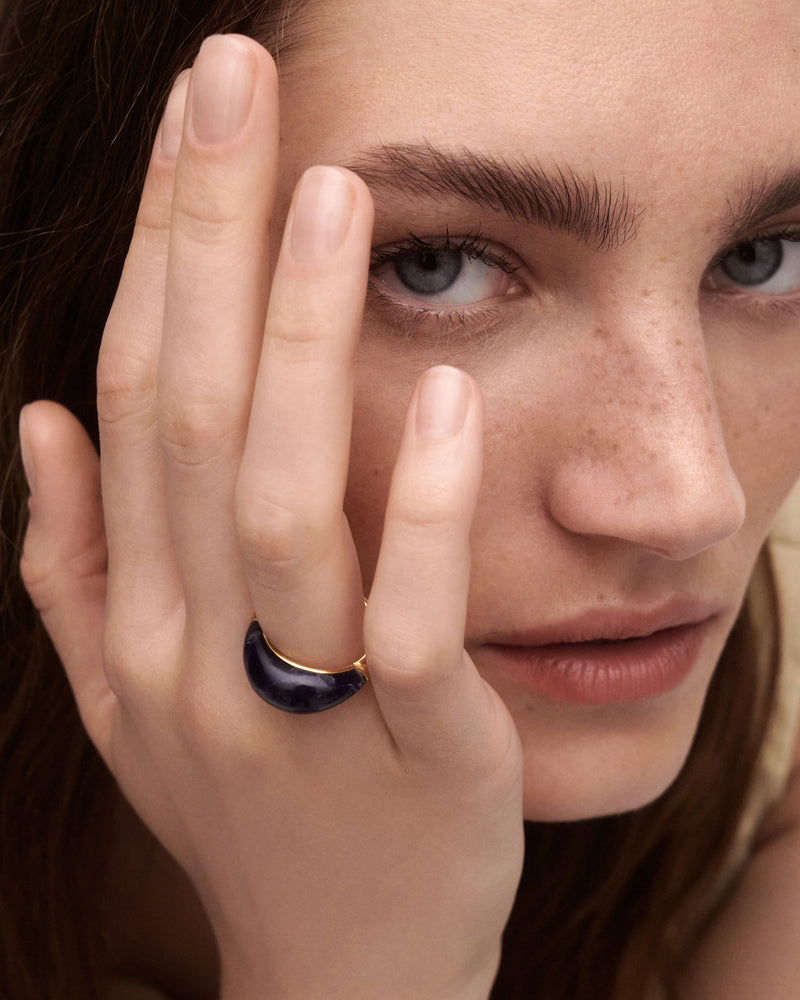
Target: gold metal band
359,664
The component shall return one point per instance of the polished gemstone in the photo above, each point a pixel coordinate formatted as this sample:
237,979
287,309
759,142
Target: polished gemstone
291,688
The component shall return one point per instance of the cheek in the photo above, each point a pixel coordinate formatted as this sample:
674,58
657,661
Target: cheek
759,405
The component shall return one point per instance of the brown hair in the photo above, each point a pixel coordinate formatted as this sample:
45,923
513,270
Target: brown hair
602,905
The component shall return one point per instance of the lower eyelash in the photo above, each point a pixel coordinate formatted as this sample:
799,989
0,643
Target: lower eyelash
407,321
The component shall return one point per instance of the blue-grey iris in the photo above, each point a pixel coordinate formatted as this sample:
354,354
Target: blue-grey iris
429,272
753,263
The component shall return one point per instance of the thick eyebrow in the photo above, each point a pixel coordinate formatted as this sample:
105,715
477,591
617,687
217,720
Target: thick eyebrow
599,214
759,202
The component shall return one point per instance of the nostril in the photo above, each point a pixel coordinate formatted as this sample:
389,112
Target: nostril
673,506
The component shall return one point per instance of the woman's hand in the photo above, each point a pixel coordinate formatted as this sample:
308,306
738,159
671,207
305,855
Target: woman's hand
369,851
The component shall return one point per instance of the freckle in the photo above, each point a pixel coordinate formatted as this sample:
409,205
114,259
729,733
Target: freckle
646,293
601,332
679,342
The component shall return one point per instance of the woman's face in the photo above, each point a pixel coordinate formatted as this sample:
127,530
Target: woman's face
594,209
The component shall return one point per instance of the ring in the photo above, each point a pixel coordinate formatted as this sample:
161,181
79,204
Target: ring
294,687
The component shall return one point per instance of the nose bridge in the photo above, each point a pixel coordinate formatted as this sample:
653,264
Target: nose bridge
657,397
649,461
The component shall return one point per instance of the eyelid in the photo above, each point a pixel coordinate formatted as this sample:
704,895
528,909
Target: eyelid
789,231
409,317
763,297
473,244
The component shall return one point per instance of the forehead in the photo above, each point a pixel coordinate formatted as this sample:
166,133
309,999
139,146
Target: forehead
631,86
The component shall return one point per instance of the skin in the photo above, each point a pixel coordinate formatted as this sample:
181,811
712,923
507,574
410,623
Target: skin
617,434
571,515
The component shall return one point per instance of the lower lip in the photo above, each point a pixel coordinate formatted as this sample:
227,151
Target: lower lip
599,673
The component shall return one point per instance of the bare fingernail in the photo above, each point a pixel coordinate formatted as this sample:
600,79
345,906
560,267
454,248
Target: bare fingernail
222,89
25,450
442,401
321,215
172,122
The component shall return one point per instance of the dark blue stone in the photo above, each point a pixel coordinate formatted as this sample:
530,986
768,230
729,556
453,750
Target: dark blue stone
291,688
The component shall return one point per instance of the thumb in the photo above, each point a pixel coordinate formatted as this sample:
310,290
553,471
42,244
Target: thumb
63,564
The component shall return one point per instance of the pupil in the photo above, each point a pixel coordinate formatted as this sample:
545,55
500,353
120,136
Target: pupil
755,262
429,272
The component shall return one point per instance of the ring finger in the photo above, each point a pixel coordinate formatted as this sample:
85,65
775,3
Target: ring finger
298,552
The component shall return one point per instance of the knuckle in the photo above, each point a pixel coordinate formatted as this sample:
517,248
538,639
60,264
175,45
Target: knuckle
431,504
407,678
135,659
50,576
206,219
36,577
300,329
125,387
408,671
115,659
193,431
152,225
276,532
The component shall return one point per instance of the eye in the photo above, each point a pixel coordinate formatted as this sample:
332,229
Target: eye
442,272
769,265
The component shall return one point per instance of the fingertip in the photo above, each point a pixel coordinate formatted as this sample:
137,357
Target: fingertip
168,140
443,398
63,473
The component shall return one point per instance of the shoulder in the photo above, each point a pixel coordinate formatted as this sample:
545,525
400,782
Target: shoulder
783,547
774,608
780,764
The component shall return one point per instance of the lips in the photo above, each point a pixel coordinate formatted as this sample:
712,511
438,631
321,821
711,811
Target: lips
600,658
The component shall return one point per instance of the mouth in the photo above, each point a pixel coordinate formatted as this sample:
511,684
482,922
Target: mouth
597,659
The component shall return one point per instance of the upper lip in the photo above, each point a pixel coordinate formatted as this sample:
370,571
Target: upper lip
607,624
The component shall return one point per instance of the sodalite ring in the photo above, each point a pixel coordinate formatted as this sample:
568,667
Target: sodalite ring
294,687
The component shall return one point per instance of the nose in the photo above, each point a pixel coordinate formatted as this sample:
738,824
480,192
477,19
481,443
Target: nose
646,460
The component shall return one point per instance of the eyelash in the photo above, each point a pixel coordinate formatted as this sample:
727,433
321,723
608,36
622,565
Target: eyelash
791,235
406,318
763,307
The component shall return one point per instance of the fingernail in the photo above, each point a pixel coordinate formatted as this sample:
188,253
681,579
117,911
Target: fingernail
25,450
442,401
172,122
322,208
222,89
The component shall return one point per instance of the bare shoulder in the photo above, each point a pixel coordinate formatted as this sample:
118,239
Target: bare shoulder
751,947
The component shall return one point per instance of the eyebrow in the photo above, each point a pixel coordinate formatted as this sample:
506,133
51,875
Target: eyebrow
602,215
599,214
